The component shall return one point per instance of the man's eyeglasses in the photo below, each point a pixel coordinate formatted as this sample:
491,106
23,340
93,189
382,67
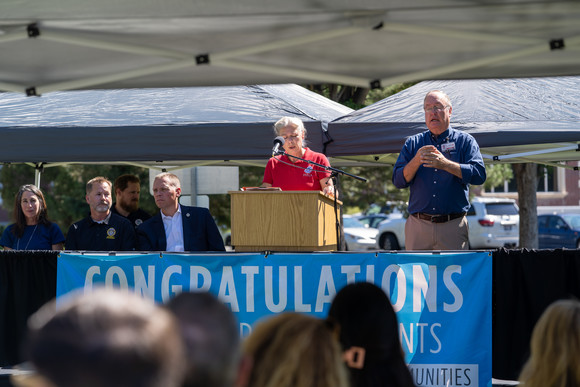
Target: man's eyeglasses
436,108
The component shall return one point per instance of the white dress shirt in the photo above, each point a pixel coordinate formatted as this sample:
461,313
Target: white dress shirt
173,231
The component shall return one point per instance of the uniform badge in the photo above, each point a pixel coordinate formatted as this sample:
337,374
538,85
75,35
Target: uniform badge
448,147
111,232
138,222
308,170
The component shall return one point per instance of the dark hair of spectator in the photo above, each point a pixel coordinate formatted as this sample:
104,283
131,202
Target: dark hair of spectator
122,182
20,218
367,323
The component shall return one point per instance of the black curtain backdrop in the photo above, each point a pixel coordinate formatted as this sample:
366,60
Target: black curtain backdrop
525,282
27,281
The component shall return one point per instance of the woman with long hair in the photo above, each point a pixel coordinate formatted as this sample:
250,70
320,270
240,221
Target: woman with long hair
369,335
555,348
32,229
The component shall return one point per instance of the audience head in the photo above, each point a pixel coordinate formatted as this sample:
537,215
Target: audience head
29,208
368,332
127,189
555,348
294,350
106,338
166,191
99,195
211,337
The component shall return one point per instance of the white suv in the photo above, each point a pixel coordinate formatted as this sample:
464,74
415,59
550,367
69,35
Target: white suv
493,223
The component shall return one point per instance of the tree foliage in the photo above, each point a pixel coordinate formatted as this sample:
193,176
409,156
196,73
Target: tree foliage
497,174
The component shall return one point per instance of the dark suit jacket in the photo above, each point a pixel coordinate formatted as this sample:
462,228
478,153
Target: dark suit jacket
200,232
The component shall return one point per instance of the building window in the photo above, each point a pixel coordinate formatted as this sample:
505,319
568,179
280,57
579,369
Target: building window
550,179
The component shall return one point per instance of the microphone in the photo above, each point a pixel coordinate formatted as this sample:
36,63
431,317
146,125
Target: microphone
278,142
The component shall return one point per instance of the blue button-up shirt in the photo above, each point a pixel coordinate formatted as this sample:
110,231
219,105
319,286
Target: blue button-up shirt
434,191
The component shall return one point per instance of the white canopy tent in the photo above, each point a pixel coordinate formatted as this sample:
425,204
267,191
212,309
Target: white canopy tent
50,45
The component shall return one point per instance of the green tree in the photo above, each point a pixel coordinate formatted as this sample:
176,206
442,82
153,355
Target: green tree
497,174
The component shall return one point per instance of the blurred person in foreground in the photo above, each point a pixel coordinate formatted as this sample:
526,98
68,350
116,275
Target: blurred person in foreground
127,190
175,227
438,166
101,230
291,174
211,336
555,348
294,350
105,338
369,335
32,229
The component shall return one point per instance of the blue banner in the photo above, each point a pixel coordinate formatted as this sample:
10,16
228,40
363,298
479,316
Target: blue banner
443,301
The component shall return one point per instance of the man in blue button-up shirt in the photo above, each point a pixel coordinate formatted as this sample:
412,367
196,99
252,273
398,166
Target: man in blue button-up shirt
438,165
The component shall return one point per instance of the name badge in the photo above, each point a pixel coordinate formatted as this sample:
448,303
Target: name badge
448,147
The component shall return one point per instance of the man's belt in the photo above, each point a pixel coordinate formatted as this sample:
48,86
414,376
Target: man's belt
438,218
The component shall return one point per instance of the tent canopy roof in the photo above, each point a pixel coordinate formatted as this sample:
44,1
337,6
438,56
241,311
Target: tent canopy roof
181,126
508,118
50,45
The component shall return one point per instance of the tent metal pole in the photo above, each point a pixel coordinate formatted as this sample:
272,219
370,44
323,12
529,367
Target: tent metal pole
13,36
104,45
537,152
100,80
444,70
293,72
285,43
451,33
4,86
37,174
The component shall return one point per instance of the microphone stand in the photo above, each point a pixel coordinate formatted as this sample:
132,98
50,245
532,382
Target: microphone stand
334,173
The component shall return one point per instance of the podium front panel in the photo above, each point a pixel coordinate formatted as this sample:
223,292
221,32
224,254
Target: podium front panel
283,221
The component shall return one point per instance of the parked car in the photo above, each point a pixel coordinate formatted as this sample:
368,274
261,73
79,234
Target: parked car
389,208
558,231
357,236
391,233
493,223
373,220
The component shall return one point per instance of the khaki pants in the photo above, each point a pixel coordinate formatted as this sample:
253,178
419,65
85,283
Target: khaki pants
425,235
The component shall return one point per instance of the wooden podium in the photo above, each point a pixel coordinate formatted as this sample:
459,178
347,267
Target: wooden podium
283,221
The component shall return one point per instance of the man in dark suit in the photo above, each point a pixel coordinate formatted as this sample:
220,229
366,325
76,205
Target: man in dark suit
176,227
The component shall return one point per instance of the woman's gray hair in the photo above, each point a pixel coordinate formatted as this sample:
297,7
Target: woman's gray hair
293,122
289,121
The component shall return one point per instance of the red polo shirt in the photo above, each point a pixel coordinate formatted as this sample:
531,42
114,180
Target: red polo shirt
300,176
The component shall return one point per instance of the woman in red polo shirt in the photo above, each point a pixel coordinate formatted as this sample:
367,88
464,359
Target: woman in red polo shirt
291,174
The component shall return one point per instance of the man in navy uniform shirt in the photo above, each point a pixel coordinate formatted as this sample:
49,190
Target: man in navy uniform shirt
101,230
127,189
438,165
176,227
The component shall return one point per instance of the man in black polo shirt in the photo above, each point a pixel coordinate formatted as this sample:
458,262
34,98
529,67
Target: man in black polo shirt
101,230
127,189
